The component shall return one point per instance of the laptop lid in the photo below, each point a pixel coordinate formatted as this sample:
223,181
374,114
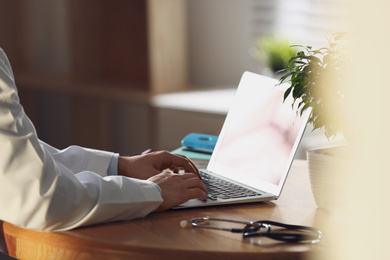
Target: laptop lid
260,135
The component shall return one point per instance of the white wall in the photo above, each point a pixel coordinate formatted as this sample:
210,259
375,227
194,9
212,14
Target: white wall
50,35
219,40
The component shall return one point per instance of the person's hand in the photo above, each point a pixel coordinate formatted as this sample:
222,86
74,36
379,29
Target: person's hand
178,188
149,164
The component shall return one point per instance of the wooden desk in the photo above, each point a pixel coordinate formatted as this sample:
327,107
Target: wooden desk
159,236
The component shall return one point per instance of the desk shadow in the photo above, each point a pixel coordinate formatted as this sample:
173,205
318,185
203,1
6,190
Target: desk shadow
3,245
172,218
275,246
6,257
247,210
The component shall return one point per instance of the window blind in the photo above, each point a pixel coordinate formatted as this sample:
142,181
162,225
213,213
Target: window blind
308,22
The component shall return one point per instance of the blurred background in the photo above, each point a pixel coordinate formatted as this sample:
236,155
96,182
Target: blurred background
127,75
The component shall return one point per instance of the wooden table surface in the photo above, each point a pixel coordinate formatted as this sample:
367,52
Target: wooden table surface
159,235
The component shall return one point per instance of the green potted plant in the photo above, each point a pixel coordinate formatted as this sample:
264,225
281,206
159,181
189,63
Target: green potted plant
275,52
315,79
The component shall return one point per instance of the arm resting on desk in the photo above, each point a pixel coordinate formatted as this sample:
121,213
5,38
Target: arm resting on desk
40,191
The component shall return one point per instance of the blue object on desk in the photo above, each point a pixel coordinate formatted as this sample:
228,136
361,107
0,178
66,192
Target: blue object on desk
192,154
199,142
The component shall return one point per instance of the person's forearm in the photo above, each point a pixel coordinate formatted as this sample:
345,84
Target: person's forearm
42,193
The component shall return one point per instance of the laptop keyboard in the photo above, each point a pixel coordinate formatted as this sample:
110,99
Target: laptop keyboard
222,189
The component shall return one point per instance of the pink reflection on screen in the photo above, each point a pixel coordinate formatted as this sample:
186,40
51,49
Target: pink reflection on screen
259,142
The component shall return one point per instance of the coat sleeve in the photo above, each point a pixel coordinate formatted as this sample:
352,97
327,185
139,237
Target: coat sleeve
40,187
78,159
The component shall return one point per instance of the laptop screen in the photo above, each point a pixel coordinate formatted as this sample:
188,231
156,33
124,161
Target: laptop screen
260,135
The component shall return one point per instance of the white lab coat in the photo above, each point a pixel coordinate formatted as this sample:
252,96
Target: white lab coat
44,188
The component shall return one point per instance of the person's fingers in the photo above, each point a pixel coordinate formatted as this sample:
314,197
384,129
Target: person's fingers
179,188
196,193
177,169
191,163
174,200
147,151
173,161
186,163
193,181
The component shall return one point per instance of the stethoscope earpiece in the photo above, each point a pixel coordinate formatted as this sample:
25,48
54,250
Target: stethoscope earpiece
184,223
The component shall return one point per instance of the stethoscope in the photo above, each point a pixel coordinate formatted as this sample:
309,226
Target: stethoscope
262,228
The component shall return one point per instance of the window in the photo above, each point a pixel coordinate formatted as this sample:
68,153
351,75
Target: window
221,33
309,22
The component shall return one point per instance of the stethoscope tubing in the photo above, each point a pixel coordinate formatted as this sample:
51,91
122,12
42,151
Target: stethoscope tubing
254,229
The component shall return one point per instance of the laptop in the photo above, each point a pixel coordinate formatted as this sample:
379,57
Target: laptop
256,146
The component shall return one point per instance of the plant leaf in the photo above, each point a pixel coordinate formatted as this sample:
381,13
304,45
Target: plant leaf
297,92
284,77
339,36
286,93
313,58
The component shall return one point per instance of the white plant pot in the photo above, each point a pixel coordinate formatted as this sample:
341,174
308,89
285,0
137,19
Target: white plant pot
327,166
